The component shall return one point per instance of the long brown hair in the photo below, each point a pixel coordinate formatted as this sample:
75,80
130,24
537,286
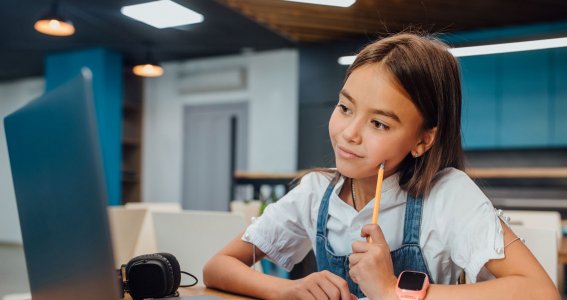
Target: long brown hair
430,75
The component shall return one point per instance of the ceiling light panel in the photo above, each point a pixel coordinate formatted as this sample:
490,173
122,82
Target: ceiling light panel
509,47
491,49
339,3
162,14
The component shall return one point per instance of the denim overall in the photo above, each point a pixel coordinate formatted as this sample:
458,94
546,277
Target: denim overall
407,257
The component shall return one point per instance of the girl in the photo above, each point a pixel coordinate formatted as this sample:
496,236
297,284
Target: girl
400,105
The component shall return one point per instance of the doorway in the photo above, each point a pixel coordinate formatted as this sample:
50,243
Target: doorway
215,144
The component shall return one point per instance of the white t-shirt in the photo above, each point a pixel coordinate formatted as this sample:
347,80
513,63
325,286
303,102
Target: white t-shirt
459,229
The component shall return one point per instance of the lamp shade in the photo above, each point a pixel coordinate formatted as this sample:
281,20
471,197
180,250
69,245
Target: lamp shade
148,70
149,66
53,23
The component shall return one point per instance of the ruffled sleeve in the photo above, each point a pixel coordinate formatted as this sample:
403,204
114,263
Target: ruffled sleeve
475,235
281,230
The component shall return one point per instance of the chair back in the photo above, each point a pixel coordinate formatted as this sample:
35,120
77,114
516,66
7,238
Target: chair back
537,219
248,209
132,229
542,243
195,236
126,232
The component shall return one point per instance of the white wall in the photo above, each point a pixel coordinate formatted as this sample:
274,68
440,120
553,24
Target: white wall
268,83
13,95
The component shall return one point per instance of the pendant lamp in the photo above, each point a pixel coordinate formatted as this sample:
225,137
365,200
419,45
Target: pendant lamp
52,23
148,68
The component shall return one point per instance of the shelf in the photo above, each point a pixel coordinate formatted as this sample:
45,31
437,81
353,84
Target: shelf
132,119
497,173
130,177
127,141
130,106
129,170
519,173
265,175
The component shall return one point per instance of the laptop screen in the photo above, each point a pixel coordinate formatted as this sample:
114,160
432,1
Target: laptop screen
58,177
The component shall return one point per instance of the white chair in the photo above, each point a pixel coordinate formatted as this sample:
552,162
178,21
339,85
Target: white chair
195,236
132,229
542,243
126,233
537,219
541,219
147,239
155,206
248,209
21,296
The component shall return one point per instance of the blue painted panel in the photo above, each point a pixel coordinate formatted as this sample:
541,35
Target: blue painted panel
525,99
479,111
559,88
106,67
505,34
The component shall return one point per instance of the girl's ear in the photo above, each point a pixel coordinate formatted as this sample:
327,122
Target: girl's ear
425,143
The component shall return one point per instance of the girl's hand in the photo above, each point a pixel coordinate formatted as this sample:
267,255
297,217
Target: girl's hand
371,265
319,285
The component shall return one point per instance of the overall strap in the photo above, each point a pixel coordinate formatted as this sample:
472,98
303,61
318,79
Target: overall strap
412,223
324,207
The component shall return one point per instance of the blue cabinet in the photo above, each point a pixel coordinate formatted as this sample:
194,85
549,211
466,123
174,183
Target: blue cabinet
559,98
479,109
515,100
525,101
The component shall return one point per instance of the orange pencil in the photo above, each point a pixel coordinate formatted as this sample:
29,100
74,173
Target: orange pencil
377,196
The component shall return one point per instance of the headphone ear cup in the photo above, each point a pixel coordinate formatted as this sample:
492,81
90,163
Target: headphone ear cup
175,272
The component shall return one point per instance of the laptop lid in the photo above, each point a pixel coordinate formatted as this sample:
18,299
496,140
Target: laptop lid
58,177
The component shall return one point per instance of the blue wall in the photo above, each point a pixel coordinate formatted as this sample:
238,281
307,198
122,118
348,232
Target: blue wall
510,101
320,81
515,100
106,67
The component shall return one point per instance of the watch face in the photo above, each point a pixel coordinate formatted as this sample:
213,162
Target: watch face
412,281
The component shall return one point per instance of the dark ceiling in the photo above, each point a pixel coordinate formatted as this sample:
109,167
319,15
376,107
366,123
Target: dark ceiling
232,26
99,23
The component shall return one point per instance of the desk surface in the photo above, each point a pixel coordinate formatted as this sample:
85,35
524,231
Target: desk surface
562,259
201,290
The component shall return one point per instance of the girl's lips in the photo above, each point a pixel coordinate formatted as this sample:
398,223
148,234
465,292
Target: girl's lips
346,153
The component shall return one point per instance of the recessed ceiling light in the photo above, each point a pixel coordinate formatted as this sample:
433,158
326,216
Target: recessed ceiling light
509,47
162,14
346,60
339,3
491,49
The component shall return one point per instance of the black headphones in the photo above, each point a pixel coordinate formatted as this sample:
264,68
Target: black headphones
152,276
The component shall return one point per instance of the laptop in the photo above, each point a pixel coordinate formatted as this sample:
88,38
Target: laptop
59,182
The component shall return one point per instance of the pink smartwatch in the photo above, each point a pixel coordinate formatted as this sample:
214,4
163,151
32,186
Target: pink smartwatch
412,285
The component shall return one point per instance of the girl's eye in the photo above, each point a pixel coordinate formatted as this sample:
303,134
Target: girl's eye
343,108
379,125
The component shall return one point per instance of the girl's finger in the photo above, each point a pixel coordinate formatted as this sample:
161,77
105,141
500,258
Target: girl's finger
373,231
341,284
359,247
317,292
306,294
353,259
330,289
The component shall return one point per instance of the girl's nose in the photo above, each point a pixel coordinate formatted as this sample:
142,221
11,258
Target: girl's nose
351,132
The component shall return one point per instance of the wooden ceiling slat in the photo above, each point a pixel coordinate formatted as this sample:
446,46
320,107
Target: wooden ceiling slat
411,11
310,38
305,23
406,14
367,20
320,23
